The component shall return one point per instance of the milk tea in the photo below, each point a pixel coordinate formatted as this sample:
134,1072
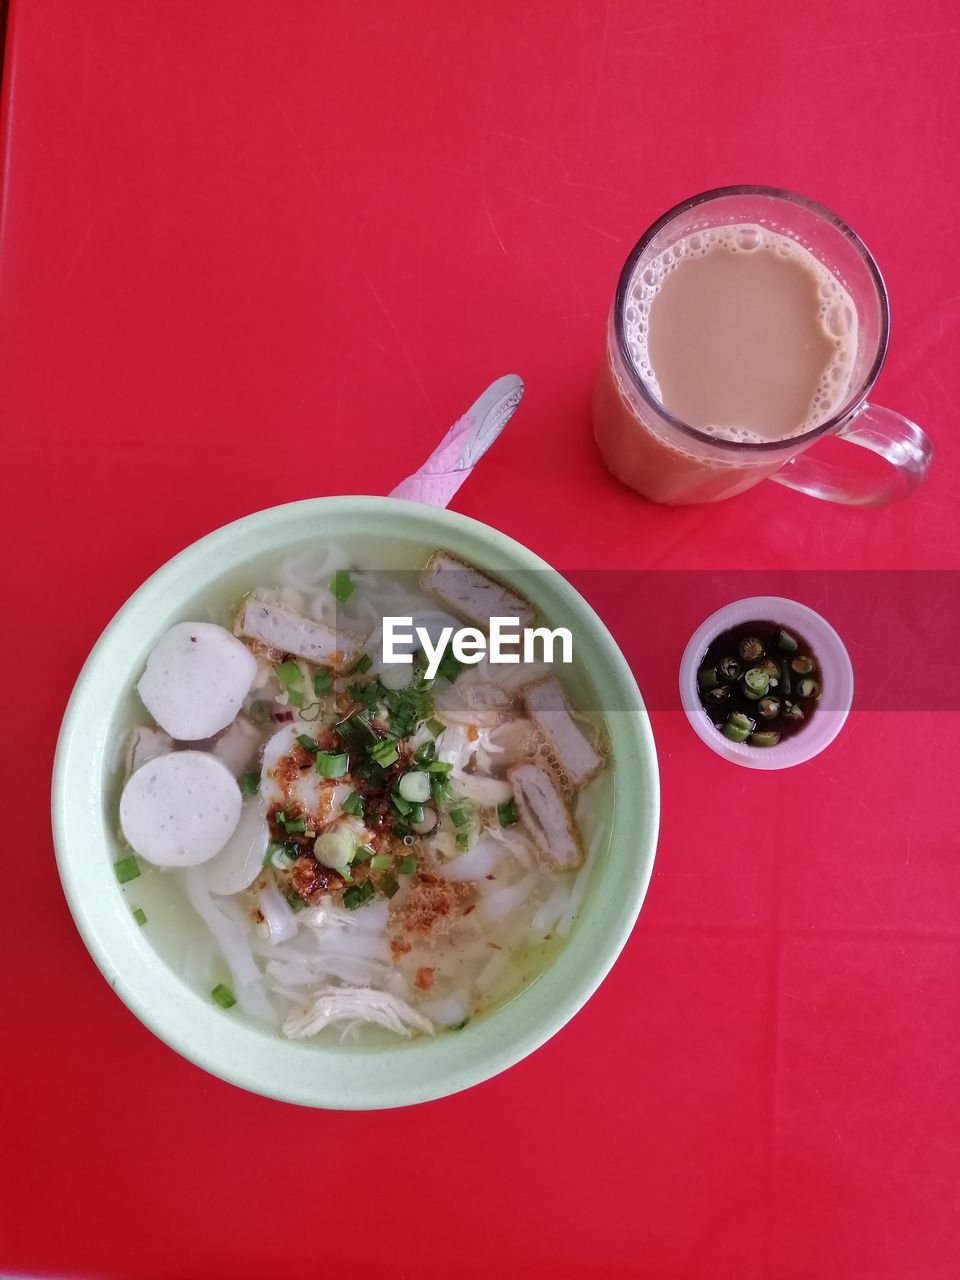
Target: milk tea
739,332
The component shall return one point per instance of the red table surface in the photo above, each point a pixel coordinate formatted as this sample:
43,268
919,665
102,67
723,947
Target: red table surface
256,252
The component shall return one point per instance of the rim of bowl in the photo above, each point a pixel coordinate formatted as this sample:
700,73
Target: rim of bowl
831,654
261,1061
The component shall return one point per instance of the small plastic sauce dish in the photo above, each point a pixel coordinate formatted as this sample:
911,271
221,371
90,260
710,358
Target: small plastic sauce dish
836,680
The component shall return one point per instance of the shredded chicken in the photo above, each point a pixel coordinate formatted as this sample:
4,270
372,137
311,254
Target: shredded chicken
331,1005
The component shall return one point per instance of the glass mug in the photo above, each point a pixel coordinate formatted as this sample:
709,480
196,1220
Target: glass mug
668,460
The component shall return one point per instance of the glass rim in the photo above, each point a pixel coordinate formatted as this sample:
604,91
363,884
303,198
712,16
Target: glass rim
851,404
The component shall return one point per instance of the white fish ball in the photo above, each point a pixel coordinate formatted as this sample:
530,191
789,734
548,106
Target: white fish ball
197,677
180,809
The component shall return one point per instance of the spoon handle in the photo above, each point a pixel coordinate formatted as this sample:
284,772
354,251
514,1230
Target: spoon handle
464,445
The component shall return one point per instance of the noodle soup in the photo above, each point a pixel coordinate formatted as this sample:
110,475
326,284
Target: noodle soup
337,847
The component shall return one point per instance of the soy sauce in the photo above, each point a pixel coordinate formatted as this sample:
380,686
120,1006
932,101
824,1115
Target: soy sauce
759,683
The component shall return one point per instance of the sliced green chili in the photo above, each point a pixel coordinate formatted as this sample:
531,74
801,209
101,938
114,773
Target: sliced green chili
738,727
127,869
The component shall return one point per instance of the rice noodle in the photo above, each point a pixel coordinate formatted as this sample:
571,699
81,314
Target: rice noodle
491,971
234,946
502,902
447,1011
597,839
550,911
233,942
484,857
479,789
280,920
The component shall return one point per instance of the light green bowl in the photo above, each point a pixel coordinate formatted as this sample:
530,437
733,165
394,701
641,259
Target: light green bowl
297,1071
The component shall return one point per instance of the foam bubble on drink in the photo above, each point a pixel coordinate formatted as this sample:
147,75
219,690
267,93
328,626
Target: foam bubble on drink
837,315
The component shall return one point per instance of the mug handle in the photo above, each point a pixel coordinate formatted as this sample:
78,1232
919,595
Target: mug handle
895,438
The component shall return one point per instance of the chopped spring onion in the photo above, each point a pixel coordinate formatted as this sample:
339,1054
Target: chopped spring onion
402,806
463,839
308,743
322,682
363,664
358,894
439,788
223,996
259,711
385,753
362,853
381,862
439,766
288,673
458,1026
140,916
459,817
368,695
353,804
295,826
407,864
280,855
507,813
332,764
342,586
427,821
388,885
436,727
450,667
127,869
356,730
295,698
334,848
415,786
250,782
425,753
